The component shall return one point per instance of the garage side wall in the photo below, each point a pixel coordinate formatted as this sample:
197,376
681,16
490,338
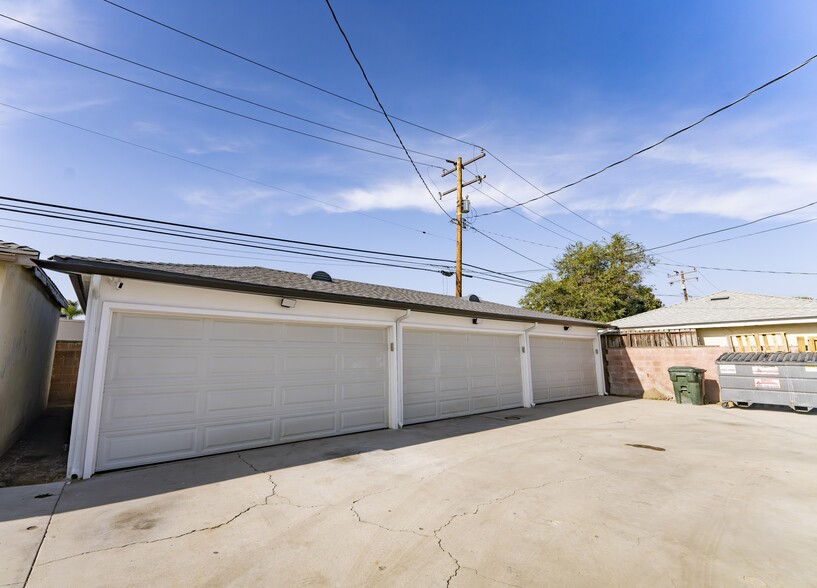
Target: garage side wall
28,331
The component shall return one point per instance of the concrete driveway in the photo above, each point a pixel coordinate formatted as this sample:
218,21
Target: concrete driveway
601,491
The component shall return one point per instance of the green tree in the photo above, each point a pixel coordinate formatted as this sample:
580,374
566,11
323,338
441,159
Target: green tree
73,310
600,282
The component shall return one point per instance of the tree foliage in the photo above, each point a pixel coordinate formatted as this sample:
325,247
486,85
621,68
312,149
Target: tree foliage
72,311
599,281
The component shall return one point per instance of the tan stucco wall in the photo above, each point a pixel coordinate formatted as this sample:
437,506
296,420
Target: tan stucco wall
720,336
28,331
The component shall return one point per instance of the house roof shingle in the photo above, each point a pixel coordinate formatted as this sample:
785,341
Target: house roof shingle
264,280
722,307
9,247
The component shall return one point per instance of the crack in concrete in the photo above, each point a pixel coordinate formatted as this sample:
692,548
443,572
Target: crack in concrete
267,498
476,573
570,447
488,503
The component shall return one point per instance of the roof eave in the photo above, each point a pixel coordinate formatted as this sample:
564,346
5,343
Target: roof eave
77,266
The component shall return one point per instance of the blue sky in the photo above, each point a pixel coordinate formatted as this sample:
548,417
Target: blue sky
555,89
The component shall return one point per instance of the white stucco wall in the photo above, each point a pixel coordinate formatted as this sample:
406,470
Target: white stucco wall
28,330
70,329
105,296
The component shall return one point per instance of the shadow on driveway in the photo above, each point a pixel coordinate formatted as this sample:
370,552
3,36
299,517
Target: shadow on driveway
153,480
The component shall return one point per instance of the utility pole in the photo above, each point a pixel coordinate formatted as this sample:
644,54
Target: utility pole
682,278
458,167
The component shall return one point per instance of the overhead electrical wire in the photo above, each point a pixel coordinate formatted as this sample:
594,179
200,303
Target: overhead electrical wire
215,90
211,106
753,271
185,231
383,109
511,250
733,227
644,149
283,74
218,170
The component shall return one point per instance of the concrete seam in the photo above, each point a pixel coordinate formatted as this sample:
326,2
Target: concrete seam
45,533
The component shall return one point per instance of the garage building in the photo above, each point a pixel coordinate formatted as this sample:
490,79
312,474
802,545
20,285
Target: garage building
181,361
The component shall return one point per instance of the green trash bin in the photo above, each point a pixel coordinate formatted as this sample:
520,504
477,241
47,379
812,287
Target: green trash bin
688,383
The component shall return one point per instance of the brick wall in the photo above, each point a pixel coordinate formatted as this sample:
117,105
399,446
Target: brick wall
632,371
64,373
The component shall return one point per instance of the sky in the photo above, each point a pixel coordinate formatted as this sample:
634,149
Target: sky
555,89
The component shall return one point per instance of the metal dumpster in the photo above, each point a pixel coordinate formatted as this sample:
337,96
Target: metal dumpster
785,379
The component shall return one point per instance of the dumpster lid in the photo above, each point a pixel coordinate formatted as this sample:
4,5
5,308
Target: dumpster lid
685,368
777,358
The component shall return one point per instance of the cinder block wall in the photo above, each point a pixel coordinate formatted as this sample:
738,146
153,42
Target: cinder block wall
633,370
64,372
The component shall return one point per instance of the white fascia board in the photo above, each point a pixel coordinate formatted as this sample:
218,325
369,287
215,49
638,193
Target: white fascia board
780,321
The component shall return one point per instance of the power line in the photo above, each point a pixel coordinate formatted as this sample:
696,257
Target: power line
383,109
548,195
215,90
733,227
511,250
522,241
519,214
177,227
217,170
810,220
211,106
283,74
756,271
645,149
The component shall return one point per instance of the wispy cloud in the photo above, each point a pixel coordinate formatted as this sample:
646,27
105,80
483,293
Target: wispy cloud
229,201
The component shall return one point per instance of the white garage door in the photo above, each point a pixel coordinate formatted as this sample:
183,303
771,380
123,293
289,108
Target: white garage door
447,374
562,368
178,387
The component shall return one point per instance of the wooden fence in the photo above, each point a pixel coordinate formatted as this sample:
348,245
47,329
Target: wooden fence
675,338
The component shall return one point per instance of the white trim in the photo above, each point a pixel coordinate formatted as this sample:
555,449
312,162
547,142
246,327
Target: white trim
527,370
397,397
177,310
95,411
79,423
565,335
780,321
475,330
598,350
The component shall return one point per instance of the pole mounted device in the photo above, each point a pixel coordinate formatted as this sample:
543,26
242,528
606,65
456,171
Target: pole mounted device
458,167
683,278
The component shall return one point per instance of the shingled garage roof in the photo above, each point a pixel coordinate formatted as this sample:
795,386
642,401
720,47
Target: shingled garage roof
260,280
723,308
9,247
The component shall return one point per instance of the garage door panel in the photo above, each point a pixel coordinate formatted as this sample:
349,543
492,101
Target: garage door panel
147,409
127,449
484,403
453,385
241,384
455,406
239,364
562,368
375,390
237,435
242,331
419,411
464,373
131,328
299,396
308,426
361,420
309,363
219,402
126,365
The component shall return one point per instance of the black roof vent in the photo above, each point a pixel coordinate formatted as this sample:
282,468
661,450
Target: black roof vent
474,298
719,298
322,277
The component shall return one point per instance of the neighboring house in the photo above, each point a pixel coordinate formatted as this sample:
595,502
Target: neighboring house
738,320
29,314
186,360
